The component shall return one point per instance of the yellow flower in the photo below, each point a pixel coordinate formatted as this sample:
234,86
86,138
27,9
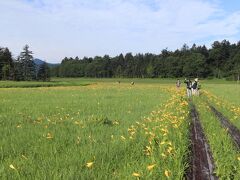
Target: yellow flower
136,174
12,167
148,148
123,138
116,122
150,167
24,157
167,173
164,134
49,136
163,142
169,150
163,155
89,164
76,122
238,158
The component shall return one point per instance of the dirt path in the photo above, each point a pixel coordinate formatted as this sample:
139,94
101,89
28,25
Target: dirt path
231,129
202,165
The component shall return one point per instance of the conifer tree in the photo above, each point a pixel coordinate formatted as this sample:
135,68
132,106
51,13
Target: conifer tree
27,64
18,70
6,64
43,73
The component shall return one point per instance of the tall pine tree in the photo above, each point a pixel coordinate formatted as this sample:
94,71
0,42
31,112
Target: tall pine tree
27,64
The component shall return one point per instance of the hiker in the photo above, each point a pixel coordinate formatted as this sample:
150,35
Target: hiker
195,87
188,83
178,84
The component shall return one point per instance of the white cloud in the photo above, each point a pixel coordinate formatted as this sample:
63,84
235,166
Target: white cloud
58,28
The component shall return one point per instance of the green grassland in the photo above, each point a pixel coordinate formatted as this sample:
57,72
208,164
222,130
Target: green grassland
53,83
227,92
100,129
56,82
226,98
54,132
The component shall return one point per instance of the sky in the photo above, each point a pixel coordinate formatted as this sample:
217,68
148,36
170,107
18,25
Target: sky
55,29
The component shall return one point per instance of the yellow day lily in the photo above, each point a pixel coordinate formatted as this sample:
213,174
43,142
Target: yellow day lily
167,173
136,174
49,136
12,167
150,167
89,164
123,138
24,157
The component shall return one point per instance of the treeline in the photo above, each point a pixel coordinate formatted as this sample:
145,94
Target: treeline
221,60
23,68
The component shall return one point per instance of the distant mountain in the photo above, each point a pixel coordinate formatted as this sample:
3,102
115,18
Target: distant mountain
39,62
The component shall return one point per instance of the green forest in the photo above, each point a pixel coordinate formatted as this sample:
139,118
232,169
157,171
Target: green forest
222,60
23,68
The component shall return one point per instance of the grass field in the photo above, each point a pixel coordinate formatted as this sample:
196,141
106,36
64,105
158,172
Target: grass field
100,129
227,92
53,83
63,82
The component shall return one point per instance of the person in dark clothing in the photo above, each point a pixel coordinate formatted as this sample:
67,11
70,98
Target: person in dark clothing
195,87
188,83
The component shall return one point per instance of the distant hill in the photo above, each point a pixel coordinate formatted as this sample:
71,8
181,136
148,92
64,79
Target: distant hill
39,62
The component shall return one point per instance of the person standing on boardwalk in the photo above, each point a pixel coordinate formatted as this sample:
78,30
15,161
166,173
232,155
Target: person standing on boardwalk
188,83
178,84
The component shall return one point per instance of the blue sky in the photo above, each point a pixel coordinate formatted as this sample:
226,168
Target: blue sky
58,28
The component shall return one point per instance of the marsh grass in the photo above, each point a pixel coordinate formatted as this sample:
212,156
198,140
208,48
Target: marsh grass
52,133
101,129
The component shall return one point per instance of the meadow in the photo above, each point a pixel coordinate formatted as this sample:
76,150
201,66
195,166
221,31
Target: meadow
102,129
